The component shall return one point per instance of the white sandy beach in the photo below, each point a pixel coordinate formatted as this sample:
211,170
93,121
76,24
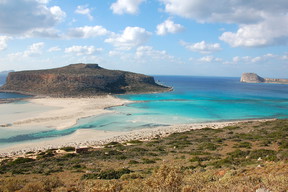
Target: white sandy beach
67,111
62,112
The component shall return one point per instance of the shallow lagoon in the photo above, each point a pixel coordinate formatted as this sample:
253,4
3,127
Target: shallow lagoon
194,100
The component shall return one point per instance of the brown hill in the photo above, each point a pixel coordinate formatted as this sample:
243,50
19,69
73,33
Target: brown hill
254,78
80,80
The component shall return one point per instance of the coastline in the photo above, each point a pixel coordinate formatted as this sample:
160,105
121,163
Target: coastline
65,112
97,138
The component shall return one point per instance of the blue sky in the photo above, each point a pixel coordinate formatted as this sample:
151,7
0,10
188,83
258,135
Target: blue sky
158,37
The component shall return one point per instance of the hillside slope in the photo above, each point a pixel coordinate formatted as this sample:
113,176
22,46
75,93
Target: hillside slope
80,80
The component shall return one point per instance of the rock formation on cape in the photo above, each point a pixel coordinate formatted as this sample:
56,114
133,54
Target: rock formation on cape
80,80
254,78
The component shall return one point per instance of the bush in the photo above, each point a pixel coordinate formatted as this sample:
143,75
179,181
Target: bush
68,149
148,161
198,159
231,127
69,155
243,145
238,154
208,146
33,187
165,179
108,174
283,144
135,142
12,185
20,160
264,154
133,162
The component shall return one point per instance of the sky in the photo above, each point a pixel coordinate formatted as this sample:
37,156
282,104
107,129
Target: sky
156,37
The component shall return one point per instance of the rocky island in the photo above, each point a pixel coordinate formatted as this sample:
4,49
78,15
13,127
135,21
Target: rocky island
254,78
80,80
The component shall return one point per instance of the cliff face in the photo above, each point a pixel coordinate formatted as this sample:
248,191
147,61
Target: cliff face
254,78
80,80
251,78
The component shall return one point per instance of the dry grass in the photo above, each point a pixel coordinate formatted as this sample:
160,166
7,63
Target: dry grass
198,160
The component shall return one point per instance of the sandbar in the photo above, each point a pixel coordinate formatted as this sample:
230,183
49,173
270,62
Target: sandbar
61,113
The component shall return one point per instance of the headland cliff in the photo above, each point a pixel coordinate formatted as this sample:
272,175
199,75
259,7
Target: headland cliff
80,80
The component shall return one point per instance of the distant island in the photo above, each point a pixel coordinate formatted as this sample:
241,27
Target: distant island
254,78
80,80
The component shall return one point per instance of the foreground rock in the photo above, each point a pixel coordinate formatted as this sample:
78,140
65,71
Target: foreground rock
254,78
78,80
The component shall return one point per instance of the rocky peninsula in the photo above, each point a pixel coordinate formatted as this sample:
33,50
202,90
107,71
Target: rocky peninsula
254,78
80,80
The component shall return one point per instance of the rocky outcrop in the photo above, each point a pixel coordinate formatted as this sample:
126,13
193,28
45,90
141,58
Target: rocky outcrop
254,78
79,80
251,78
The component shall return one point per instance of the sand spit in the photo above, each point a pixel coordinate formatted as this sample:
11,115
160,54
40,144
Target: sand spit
64,112
96,138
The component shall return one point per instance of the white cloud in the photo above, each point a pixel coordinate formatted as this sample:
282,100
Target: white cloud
148,51
201,47
114,53
168,26
131,37
268,32
84,10
126,6
34,50
258,59
54,49
209,59
57,13
3,42
261,22
20,16
83,50
228,11
88,32
42,32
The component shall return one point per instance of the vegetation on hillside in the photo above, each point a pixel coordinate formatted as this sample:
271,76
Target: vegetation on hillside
245,157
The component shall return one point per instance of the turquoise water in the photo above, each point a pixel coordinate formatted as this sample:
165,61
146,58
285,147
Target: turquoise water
194,100
12,96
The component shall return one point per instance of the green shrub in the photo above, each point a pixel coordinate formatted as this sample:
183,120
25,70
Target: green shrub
198,152
238,154
264,154
68,149
132,162
283,144
244,144
265,143
108,174
208,146
231,127
20,160
198,159
138,149
148,161
69,155
135,142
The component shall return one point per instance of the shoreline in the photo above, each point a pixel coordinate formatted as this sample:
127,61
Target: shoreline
65,112
98,138
61,113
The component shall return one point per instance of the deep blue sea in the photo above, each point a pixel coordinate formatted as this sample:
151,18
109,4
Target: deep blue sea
193,100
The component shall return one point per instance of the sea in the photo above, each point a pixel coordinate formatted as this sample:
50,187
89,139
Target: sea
193,100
